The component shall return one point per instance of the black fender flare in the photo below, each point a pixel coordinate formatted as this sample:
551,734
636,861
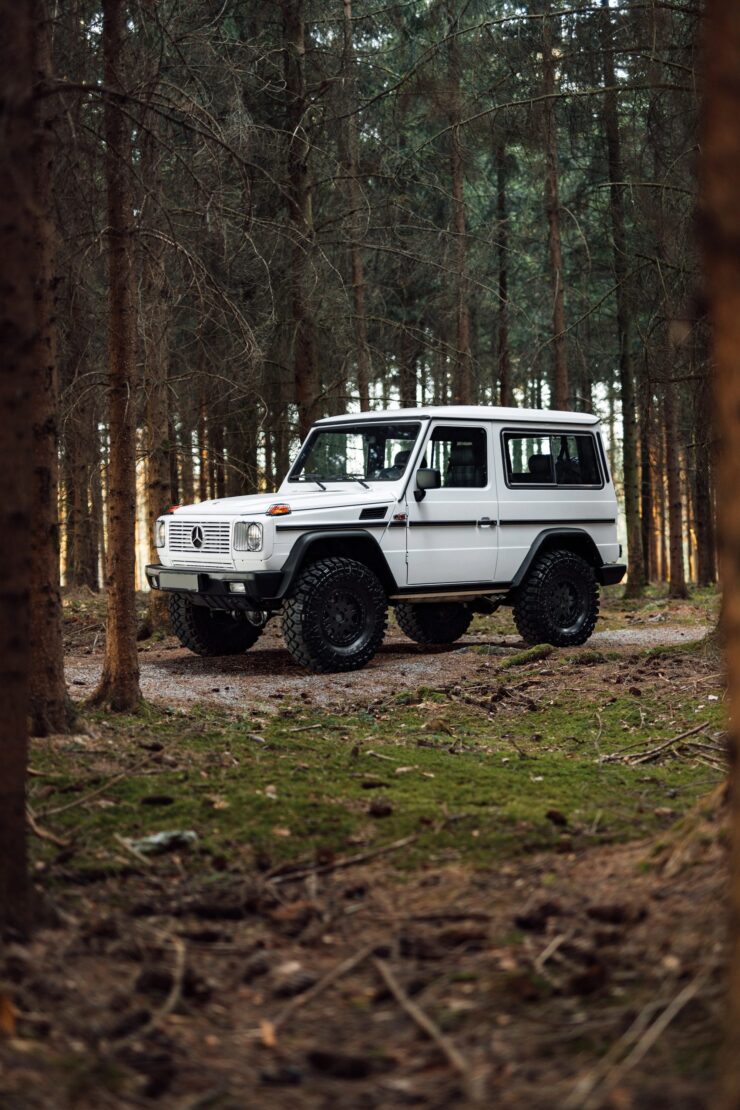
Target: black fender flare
297,557
545,538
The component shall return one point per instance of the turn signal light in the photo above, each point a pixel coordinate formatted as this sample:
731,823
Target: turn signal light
280,509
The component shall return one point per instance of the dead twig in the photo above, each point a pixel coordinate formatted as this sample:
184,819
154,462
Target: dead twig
94,793
42,833
454,1058
313,992
172,999
347,861
653,753
591,1090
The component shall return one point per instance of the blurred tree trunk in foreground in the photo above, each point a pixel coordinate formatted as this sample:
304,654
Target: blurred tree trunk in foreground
721,229
51,708
18,354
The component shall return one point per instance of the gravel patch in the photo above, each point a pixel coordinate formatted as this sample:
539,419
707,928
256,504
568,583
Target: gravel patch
266,676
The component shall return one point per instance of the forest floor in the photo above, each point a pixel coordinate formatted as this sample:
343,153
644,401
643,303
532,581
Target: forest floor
475,876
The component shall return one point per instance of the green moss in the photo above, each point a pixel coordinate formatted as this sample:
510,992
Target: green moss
478,796
531,655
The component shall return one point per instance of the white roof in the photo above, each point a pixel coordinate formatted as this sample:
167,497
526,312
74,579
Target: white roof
470,412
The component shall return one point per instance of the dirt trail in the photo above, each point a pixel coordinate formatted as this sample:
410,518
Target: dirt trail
266,675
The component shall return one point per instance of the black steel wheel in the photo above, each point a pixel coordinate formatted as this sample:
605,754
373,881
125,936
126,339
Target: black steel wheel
558,602
434,622
210,631
335,617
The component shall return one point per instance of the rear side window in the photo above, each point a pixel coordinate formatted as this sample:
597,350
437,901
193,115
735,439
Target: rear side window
551,460
459,454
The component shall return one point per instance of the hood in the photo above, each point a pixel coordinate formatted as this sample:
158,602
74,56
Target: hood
258,504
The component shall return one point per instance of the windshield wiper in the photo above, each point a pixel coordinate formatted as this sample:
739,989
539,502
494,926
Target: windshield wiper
314,478
357,478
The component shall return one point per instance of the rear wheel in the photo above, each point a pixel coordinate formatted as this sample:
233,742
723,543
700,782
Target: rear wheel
558,602
335,618
210,631
436,622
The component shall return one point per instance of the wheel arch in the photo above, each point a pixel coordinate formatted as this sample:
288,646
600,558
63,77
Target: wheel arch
354,543
577,540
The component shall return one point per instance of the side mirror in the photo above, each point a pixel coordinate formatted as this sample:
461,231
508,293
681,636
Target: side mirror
426,478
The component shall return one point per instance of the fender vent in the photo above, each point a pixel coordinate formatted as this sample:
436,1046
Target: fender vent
374,514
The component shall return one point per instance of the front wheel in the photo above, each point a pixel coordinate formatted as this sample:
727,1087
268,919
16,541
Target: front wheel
433,622
334,619
558,602
210,631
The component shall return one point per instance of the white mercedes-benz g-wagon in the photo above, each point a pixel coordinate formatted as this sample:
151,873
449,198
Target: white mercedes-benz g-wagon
440,512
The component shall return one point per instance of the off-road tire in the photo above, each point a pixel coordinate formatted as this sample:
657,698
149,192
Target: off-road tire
335,616
558,603
435,622
210,631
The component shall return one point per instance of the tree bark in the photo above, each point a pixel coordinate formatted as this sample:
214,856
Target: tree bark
720,179
119,684
51,709
706,561
19,340
561,390
462,371
630,472
647,519
300,207
154,317
677,576
505,392
352,159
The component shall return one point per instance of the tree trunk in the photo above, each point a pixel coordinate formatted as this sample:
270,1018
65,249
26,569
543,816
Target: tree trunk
706,572
677,576
154,316
300,206
630,473
119,685
720,173
51,709
362,353
462,372
505,393
19,270
561,391
647,521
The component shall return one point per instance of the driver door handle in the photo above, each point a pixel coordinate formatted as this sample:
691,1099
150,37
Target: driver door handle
486,522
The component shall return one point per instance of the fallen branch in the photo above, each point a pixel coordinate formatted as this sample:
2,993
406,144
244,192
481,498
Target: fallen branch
347,861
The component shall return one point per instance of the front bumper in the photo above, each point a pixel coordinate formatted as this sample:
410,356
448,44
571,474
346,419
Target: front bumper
611,573
212,588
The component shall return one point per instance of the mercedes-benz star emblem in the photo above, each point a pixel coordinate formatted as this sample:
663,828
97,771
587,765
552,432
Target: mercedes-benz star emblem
196,536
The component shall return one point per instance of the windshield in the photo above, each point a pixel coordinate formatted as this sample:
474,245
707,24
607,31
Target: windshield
356,452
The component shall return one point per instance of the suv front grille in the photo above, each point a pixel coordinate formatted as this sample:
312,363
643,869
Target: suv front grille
202,537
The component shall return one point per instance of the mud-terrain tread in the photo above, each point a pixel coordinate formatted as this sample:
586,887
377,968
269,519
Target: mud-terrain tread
530,605
424,623
315,656
203,632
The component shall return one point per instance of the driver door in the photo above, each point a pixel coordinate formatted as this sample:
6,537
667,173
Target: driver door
452,534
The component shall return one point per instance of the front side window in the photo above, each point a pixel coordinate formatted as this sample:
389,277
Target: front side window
551,460
368,452
460,456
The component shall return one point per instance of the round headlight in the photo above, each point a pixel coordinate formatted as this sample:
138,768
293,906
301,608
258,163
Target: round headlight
254,537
